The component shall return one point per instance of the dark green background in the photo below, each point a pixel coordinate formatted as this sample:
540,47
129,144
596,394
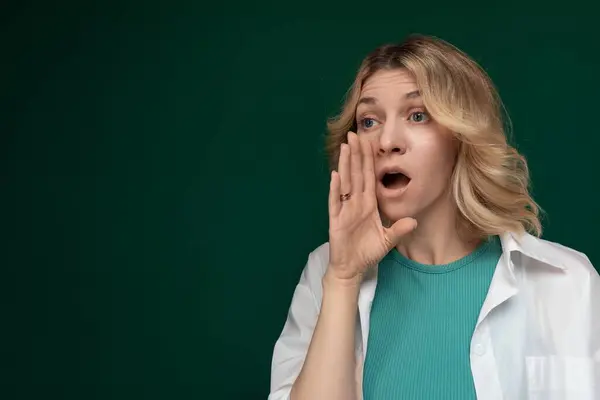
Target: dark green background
163,175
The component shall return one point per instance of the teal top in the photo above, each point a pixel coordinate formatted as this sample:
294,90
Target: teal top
422,320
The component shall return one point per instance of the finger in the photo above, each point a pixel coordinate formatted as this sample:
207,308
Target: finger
368,166
355,163
335,204
344,169
399,229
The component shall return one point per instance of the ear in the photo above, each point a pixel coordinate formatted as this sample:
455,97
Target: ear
458,147
457,144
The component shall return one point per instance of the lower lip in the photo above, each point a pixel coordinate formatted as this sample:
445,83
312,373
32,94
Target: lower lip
391,193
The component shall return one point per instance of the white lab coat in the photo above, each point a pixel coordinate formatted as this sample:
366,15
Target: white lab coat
537,335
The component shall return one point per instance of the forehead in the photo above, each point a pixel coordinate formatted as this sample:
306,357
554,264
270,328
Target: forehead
389,82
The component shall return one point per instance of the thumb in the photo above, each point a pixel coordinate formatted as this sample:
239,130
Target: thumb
400,228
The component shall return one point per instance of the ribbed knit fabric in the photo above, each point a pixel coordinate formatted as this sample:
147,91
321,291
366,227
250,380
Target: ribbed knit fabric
421,323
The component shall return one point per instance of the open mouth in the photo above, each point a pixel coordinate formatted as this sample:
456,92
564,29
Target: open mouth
394,180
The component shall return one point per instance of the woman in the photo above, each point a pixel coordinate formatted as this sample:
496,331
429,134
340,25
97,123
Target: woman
434,283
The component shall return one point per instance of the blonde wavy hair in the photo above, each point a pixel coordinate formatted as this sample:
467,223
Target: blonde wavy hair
490,180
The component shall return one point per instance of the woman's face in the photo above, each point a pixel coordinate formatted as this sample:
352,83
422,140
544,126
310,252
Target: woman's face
414,155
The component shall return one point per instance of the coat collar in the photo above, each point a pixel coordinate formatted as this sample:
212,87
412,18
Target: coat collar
547,253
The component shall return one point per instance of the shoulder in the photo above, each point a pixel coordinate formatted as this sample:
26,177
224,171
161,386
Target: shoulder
319,257
575,265
561,289
312,275
565,257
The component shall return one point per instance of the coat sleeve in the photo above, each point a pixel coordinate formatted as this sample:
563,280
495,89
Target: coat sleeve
291,347
594,292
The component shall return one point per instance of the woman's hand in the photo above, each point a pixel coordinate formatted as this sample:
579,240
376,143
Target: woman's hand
357,237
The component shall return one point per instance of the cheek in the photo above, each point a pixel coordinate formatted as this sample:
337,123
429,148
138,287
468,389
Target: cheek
435,155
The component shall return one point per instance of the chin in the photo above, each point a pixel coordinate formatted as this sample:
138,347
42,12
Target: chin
394,212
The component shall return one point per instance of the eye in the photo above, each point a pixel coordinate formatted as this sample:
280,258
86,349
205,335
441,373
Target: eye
419,116
366,123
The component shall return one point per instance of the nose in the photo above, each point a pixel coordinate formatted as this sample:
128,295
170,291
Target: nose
392,139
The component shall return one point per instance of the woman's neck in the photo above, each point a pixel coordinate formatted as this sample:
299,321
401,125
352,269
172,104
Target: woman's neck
439,238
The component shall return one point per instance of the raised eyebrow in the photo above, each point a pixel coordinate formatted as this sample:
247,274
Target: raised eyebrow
412,95
366,100
372,100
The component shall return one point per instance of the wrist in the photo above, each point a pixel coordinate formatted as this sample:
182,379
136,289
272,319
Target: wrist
344,284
